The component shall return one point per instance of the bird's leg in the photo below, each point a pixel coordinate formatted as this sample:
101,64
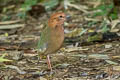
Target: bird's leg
38,56
49,63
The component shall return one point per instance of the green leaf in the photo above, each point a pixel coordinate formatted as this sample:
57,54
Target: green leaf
27,4
104,10
2,59
22,15
110,6
114,16
104,27
50,4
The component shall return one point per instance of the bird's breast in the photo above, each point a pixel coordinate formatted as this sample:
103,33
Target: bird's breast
57,36
56,40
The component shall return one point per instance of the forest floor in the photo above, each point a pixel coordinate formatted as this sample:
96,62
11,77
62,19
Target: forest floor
83,56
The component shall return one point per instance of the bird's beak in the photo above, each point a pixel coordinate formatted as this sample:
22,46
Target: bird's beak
68,17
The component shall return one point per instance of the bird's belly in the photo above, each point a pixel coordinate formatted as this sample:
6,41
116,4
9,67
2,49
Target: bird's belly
54,44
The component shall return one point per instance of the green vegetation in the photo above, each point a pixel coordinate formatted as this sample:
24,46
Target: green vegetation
2,59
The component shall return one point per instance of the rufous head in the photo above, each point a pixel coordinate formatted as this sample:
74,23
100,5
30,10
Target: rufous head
56,19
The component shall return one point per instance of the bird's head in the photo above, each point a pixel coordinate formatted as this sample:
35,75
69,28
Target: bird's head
56,19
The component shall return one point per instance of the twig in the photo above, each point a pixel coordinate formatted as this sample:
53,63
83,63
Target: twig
10,22
16,68
11,26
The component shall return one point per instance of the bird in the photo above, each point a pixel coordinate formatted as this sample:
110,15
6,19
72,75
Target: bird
52,37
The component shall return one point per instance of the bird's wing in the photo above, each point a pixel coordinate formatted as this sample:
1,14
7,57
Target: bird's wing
43,42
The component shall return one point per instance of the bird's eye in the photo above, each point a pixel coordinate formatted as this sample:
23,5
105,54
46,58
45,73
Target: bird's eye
61,16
